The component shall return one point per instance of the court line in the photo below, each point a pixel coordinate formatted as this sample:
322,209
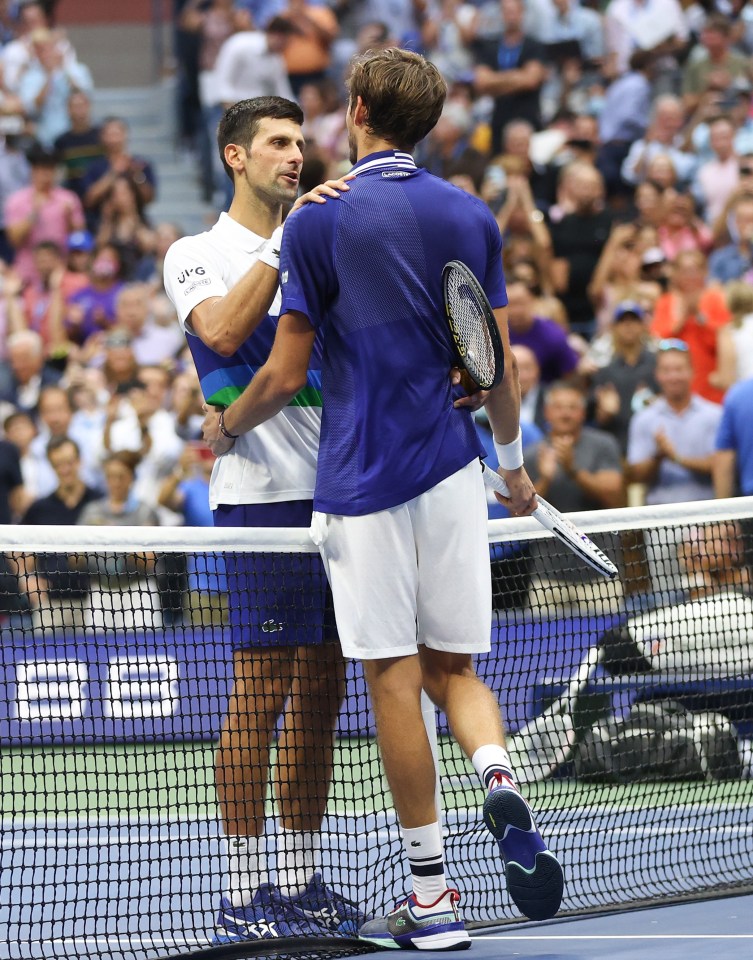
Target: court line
385,819
146,941
135,941
624,936
43,837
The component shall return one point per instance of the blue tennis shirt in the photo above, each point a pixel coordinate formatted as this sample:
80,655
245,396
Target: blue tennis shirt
366,270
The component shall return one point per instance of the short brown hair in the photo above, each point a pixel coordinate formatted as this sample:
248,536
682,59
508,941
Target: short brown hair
403,94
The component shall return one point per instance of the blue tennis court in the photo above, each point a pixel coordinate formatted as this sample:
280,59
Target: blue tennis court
129,885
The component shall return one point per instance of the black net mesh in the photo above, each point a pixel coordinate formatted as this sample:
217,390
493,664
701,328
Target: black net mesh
629,706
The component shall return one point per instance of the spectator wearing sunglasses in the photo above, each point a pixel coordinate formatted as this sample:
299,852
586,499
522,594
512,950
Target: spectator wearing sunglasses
692,312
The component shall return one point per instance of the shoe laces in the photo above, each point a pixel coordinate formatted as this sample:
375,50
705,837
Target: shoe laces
454,899
500,780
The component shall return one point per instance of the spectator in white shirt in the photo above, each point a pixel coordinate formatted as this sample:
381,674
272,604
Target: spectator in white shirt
150,341
16,55
630,25
137,422
251,64
663,137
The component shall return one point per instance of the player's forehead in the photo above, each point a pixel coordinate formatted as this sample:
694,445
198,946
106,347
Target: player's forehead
272,128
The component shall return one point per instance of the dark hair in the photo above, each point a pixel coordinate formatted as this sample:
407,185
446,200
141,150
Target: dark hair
50,246
18,415
402,92
133,190
718,22
39,156
281,25
130,459
240,123
57,442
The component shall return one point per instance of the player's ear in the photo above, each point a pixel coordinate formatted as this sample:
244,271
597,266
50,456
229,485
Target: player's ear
235,157
360,113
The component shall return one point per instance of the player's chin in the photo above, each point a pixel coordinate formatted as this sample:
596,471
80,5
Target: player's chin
289,186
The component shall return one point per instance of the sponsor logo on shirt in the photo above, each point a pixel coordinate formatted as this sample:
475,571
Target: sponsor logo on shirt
272,626
395,173
284,276
189,272
197,283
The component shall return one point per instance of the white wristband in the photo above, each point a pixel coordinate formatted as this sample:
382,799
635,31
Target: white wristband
510,455
270,252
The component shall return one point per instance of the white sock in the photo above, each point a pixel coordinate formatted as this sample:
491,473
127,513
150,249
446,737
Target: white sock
245,870
423,847
492,759
297,853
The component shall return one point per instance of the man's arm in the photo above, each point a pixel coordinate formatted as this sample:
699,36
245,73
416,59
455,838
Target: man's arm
224,323
500,83
644,471
503,409
604,486
273,386
724,473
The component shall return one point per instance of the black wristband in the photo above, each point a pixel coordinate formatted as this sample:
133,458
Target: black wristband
223,429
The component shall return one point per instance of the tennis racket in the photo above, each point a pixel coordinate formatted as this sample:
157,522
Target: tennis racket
560,526
478,346
473,326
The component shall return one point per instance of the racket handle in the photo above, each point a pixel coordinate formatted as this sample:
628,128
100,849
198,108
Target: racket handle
492,479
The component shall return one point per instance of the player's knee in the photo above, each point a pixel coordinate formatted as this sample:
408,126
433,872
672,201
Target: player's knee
440,670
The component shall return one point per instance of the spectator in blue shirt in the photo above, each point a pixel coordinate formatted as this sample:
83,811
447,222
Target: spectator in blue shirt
627,107
735,261
670,442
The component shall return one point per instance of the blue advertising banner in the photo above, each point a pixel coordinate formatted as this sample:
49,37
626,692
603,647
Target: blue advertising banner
162,684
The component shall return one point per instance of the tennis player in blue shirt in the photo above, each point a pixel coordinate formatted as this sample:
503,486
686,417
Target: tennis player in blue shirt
400,511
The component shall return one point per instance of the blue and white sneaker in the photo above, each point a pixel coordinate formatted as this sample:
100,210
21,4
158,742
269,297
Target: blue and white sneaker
534,875
268,916
333,912
413,926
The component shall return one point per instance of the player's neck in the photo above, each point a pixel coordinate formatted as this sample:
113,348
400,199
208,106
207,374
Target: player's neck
367,145
254,215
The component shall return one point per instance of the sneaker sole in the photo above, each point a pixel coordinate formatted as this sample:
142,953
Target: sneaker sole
537,892
435,941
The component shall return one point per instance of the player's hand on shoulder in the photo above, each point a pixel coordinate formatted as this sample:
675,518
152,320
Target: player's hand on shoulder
522,499
330,188
210,430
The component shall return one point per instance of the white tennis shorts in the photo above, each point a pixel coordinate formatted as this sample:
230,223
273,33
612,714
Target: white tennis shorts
415,574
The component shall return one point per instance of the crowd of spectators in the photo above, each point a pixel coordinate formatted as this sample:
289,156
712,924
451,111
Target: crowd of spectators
613,142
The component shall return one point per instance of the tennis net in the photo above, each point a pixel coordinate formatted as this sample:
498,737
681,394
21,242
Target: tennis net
629,705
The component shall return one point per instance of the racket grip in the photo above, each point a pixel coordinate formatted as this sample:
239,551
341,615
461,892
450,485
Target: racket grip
492,479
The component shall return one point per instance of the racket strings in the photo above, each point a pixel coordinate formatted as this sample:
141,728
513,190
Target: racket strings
467,318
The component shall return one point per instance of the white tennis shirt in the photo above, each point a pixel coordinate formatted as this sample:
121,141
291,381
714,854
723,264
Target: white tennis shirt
276,461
